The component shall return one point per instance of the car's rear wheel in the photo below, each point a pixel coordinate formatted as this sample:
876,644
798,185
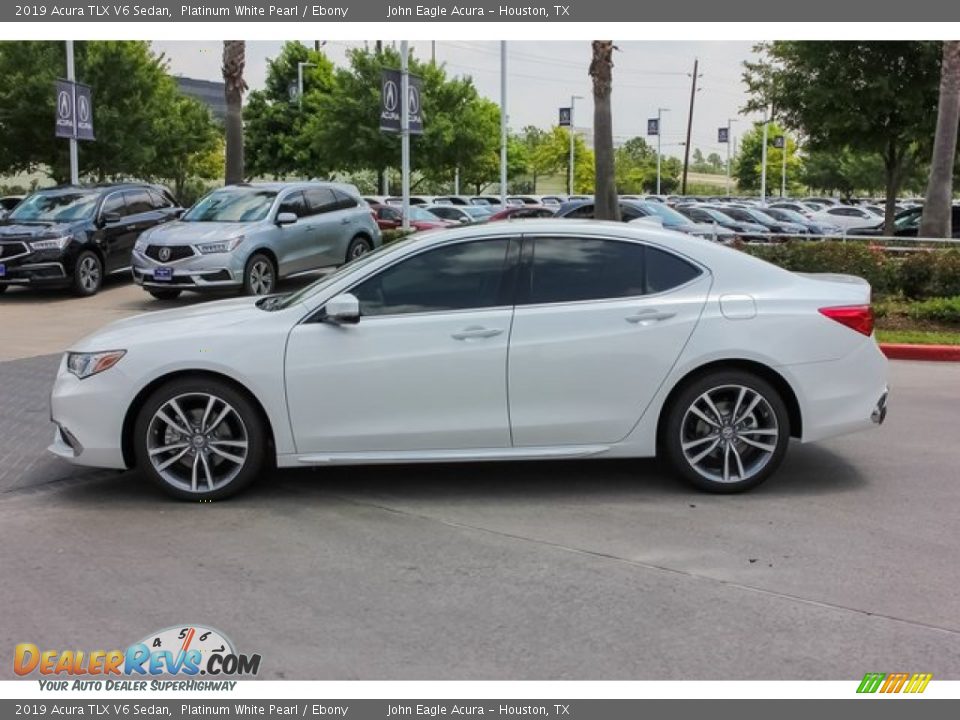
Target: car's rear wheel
358,247
165,294
727,431
260,276
199,439
87,274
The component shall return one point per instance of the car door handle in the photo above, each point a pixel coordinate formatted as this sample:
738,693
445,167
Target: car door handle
645,316
472,333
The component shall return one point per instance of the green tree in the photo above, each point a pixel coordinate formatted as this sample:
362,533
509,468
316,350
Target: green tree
869,96
192,144
716,163
131,107
532,139
748,165
274,118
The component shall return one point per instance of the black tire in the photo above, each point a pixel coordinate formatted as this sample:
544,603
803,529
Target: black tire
87,274
734,463
358,247
3,289
241,423
259,276
165,294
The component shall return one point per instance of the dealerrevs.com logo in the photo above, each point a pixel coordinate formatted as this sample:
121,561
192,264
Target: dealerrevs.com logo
889,683
184,651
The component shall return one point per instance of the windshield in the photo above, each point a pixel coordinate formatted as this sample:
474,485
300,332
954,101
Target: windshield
234,204
668,215
717,215
60,206
907,220
284,301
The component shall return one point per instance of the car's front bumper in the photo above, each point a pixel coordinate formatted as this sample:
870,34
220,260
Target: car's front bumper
200,272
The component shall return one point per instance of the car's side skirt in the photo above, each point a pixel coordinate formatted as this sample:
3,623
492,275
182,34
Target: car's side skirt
426,456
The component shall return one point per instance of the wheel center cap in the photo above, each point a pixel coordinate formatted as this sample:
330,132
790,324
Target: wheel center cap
727,432
198,441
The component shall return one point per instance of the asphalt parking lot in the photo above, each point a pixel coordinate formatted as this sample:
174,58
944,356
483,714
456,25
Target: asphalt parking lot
845,562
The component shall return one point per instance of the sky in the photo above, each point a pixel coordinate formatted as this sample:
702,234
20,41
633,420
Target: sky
542,75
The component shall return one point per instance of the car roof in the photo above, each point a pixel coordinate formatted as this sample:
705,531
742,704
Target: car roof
298,185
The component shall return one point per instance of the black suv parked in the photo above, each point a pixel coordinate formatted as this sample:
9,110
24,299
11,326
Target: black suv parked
74,235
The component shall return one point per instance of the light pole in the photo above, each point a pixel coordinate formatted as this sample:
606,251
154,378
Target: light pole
763,158
573,101
783,177
71,76
404,137
730,122
300,67
660,112
503,123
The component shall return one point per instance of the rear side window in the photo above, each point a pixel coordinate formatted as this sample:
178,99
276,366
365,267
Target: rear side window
344,201
320,200
576,269
455,277
138,201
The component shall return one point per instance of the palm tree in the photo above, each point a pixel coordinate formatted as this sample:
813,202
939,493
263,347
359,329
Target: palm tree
606,206
234,59
936,209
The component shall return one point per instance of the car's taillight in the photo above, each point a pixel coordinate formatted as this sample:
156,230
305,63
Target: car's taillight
855,317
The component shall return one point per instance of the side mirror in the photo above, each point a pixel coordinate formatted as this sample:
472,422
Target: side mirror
110,218
343,309
286,218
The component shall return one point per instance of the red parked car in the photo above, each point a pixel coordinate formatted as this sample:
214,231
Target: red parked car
517,212
390,217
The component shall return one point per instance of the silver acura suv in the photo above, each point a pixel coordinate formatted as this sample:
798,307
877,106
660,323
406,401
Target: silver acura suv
248,236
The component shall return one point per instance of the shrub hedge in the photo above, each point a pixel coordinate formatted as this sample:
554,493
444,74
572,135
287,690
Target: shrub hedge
923,274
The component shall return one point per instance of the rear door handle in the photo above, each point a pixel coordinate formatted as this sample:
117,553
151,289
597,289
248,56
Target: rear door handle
472,333
651,315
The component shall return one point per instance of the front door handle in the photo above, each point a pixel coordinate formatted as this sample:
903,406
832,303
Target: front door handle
473,332
651,315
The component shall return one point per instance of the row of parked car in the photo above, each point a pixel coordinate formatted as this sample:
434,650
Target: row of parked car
246,237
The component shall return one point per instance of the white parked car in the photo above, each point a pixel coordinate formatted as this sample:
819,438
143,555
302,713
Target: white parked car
623,340
846,217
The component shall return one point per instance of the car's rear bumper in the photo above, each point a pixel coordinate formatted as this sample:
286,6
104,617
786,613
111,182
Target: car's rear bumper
842,396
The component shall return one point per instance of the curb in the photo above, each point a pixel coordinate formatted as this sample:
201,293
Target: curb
938,353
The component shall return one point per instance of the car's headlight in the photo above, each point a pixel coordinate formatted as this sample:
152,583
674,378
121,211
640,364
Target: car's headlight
83,365
220,246
140,245
52,244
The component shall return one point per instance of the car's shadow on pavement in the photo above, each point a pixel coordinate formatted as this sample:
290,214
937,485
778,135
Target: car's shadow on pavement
807,471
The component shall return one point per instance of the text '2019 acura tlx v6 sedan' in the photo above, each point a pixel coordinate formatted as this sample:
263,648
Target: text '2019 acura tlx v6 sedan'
248,236
511,341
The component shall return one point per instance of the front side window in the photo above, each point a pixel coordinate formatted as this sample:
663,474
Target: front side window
464,276
320,200
114,205
138,201
293,203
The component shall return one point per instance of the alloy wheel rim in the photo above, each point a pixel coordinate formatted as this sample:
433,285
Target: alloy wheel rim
358,250
729,434
89,272
261,277
197,442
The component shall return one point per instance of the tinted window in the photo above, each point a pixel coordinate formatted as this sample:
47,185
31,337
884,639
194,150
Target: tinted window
320,200
571,269
293,203
666,271
138,201
388,213
114,204
584,211
159,200
345,201
630,212
447,213
456,277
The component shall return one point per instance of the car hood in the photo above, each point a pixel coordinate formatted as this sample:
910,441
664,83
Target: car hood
199,320
12,230
190,233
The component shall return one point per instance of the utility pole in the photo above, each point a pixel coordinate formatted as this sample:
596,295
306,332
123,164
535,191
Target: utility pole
573,101
730,122
660,112
763,158
686,150
72,77
300,67
503,123
433,52
783,178
384,182
405,135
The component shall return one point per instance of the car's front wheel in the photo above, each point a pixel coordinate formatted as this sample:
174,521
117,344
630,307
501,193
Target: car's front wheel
727,431
87,274
259,277
200,439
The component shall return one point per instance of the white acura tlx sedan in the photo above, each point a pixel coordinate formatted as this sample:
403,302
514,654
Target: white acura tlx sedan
513,341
